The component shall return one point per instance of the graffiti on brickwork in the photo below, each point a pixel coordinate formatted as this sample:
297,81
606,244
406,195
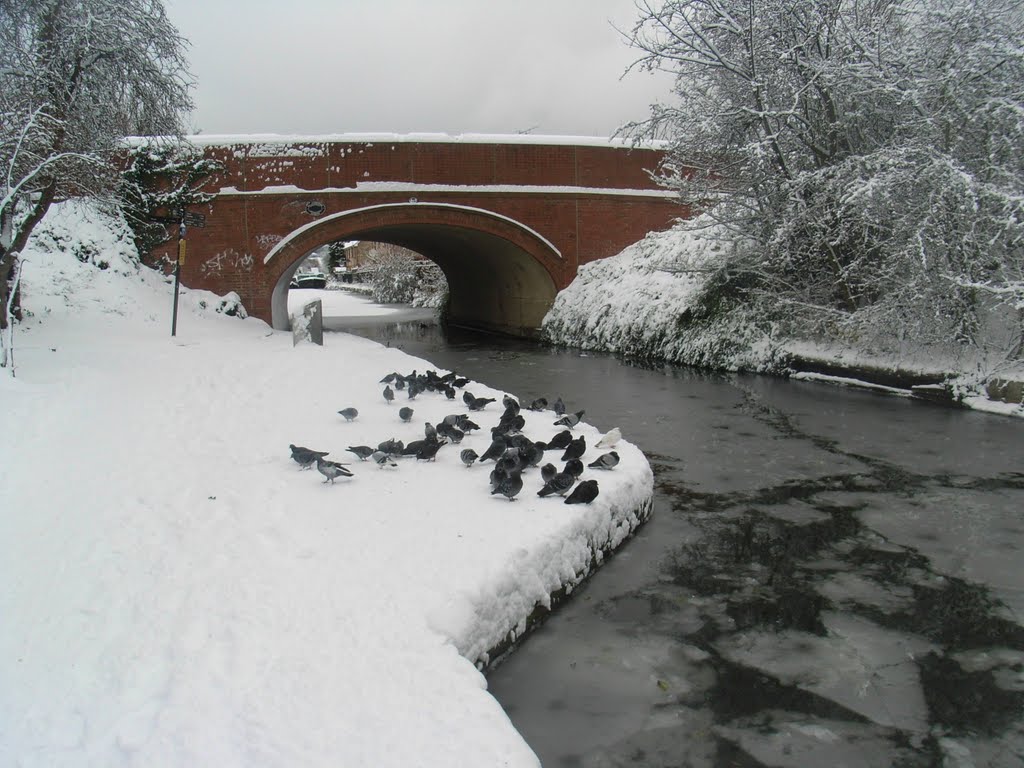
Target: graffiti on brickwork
266,242
226,261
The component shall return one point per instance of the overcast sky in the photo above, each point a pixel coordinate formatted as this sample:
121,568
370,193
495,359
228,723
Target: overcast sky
448,66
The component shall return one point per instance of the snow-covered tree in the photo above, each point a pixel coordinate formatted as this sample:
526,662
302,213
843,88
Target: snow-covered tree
872,149
161,177
76,76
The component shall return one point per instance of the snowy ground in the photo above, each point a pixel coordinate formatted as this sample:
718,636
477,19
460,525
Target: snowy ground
175,591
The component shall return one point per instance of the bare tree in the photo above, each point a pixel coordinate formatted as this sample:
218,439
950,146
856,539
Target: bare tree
76,76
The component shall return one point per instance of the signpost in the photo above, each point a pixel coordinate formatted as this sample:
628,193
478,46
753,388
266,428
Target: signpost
183,219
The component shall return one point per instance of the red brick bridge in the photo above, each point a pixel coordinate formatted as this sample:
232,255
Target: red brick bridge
509,219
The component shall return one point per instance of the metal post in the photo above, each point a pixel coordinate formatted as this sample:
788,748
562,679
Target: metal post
177,277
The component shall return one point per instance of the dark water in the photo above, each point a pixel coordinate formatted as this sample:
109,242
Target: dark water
830,578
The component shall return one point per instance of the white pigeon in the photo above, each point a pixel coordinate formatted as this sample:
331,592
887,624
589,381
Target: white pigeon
609,440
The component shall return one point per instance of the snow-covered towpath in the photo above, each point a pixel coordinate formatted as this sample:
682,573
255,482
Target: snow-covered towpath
174,590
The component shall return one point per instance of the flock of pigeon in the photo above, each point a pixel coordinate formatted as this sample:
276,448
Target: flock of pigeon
513,453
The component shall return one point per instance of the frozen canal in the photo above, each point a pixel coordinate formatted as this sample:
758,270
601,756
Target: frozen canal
831,577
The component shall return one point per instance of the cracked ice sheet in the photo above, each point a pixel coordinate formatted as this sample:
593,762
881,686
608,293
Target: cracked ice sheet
974,535
794,740
859,665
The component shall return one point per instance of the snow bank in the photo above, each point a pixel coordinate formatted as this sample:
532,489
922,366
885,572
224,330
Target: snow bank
641,301
174,590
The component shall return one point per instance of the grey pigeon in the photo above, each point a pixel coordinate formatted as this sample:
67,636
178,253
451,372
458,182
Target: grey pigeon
305,457
510,486
467,397
539,404
429,450
584,493
559,407
575,449
495,450
558,485
382,459
510,403
570,420
405,413
560,441
573,467
429,431
479,403
547,472
468,456
532,454
362,451
331,470
349,413
389,394
496,476
605,461
391,447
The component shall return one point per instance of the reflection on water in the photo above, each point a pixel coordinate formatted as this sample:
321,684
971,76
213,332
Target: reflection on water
830,577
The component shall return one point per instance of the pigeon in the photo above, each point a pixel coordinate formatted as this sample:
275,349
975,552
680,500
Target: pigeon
547,472
428,450
454,434
405,413
465,424
331,469
429,431
496,477
539,404
584,493
560,441
389,378
510,461
570,420
468,456
479,403
495,450
510,403
389,393
573,467
532,454
610,439
382,459
349,413
467,397
391,447
460,382
305,457
413,448
575,449
558,485
559,407
605,461
362,451
510,486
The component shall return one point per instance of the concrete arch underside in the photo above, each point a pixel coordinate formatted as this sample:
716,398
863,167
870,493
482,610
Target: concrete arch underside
500,274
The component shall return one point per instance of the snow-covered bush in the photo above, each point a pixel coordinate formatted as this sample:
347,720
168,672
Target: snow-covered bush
873,150
658,299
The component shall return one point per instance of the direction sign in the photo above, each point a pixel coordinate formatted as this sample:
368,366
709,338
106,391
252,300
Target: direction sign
193,220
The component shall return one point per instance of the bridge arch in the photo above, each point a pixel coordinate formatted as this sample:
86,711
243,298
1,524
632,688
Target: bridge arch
501,274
